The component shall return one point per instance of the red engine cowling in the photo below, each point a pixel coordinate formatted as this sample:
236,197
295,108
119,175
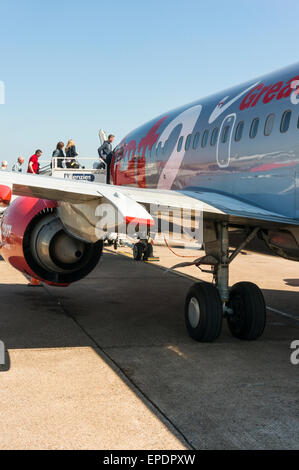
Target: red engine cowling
34,242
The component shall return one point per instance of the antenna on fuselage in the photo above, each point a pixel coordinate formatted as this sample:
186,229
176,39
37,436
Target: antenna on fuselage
102,136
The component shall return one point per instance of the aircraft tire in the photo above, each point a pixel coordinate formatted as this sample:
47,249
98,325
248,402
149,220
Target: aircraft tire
148,252
138,251
249,318
203,312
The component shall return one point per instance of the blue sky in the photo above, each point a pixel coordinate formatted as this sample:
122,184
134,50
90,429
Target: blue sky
71,67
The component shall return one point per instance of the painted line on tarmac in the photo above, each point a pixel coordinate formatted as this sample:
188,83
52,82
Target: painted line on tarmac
288,315
129,255
274,310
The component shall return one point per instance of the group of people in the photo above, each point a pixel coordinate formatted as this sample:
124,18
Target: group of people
68,158
33,165
16,167
65,158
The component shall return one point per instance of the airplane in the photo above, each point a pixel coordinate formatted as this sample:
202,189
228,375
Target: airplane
233,157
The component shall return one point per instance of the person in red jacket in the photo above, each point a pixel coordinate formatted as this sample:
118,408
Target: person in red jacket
33,165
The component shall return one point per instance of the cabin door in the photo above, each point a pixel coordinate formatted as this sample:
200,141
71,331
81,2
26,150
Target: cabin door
223,151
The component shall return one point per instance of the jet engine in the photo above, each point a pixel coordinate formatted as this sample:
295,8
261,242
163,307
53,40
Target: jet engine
34,241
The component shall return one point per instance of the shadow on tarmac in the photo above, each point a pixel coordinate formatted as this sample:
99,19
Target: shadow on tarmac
229,394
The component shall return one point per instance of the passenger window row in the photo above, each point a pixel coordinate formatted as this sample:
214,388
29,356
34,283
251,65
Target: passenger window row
253,131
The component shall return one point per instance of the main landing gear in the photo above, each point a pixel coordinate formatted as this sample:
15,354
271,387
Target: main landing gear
207,304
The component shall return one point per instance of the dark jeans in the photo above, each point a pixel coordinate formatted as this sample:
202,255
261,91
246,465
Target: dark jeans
108,164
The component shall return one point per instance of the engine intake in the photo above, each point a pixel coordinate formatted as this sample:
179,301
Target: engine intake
49,252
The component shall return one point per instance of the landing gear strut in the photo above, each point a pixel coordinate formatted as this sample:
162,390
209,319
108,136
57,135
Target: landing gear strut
207,304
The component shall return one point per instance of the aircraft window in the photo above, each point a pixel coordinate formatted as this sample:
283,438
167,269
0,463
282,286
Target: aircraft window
165,147
196,140
239,131
254,128
224,135
180,143
214,136
298,123
269,124
204,139
285,121
188,142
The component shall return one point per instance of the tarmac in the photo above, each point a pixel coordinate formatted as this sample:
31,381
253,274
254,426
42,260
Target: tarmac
107,363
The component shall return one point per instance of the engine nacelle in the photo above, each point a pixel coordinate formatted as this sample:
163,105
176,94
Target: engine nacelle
34,241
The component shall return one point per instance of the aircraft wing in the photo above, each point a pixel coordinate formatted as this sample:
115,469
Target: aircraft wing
130,201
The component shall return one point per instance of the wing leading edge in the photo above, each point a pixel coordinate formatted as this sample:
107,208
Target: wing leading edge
130,201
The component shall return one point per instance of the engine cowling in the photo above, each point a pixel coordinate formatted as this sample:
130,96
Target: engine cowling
34,241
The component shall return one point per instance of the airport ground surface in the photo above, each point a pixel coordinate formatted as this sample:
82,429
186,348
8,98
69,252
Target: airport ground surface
107,362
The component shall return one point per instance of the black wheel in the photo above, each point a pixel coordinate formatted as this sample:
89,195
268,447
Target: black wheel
148,252
138,251
249,318
203,312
